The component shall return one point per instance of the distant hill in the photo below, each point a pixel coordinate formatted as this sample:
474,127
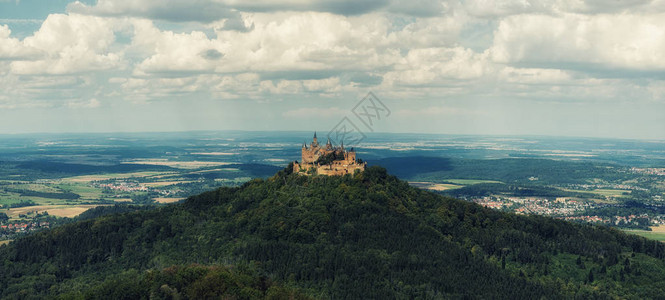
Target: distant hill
367,236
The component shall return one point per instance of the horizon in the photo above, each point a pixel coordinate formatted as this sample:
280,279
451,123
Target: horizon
586,69
324,134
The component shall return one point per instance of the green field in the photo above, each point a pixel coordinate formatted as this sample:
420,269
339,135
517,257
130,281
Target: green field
89,178
85,191
470,181
434,186
653,235
601,192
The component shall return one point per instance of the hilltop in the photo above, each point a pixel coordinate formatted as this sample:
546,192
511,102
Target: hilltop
366,235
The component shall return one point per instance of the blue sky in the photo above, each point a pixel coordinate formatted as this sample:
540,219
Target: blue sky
554,67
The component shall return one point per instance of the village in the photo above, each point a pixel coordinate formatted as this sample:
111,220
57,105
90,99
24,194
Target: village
29,222
122,188
568,209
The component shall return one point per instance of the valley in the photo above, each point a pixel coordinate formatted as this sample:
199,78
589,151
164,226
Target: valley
52,179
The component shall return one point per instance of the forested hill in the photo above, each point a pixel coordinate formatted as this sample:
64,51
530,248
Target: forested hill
364,236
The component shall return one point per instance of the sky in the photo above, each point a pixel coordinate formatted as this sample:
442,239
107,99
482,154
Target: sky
592,68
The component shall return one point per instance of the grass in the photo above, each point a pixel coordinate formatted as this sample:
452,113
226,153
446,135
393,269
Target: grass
86,192
10,198
89,178
167,200
165,183
611,193
469,181
601,192
657,233
434,186
54,210
658,236
600,200
35,187
178,164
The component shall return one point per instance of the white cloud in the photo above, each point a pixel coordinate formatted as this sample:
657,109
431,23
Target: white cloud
503,8
315,112
72,44
174,52
435,66
429,32
322,85
12,48
277,43
342,7
574,41
535,76
92,103
319,86
421,8
170,10
436,111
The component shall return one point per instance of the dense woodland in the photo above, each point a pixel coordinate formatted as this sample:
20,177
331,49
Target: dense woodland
367,235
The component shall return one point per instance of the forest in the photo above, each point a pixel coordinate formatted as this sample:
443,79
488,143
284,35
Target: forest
367,235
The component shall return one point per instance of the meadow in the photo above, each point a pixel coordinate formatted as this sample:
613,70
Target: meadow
657,233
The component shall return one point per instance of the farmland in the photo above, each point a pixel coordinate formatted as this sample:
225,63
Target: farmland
46,179
47,182
656,233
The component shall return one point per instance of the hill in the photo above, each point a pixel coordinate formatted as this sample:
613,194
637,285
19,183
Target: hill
369,235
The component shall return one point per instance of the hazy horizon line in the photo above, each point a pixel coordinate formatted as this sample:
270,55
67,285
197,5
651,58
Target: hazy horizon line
325,132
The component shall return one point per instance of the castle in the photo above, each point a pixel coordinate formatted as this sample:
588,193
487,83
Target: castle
327,160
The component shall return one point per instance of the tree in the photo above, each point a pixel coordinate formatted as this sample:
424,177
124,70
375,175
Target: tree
590,277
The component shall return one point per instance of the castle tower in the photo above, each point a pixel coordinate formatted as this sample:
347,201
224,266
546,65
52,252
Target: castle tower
329,145
315,142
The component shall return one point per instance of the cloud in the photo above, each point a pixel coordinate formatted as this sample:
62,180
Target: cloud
315,112
503,8
436,111
535,76
342,7
212,54
573,41
71,44
92,103
420,8
13,49
434,66
253,50
169,10
170,52
205,11
319,86
286,42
